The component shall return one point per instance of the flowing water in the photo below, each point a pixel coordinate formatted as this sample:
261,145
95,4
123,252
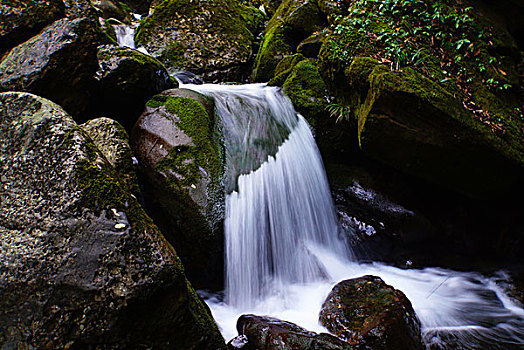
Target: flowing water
283,250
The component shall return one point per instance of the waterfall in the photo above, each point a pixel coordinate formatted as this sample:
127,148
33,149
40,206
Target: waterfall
283,251
125,35
279,209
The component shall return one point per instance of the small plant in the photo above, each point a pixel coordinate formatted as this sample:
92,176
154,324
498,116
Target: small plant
341,112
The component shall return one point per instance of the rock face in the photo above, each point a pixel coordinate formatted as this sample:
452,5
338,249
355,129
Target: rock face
59,64
294,21
209,38
127,79
112,140
370,314
262,332
82,265
181,166
452,121
21,19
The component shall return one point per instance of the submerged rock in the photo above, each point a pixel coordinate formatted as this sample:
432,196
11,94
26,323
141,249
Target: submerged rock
209,38
181,165
127,79
370,314
21,19
263,332
82,265
59,64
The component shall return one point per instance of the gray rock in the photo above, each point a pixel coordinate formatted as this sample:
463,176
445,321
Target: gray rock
207,38
82,265
58,64
21,19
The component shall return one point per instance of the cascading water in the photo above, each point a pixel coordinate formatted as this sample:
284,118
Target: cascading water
283,250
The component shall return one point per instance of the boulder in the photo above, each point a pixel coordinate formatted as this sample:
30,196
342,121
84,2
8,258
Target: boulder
80,8
209,38
127,79
263,332
113,9
433,109
138,6
294,21
82,265
59,64
112,140
21,19
368,313
180,162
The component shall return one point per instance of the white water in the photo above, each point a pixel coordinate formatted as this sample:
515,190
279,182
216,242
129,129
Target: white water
283,253
125,35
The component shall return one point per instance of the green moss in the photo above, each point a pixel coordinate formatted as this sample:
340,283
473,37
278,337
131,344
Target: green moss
284,68
187,160
307,90
253,17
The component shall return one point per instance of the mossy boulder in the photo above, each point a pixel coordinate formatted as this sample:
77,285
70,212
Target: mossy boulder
59,64
82,265
263,332
209,38
127,79
181,165
310,47
294,21
369,314
306,89
439,103
112,140
21,19
284,68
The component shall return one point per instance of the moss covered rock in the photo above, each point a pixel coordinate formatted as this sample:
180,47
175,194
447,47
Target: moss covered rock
59,64
112,140
127,79
368,313
294,21
82,265
23,19
205,37
262,332
431,90
306,89
112,9
181,165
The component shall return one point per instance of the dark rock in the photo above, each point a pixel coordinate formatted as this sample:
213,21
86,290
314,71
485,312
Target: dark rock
270,333
82,265
80,8
138,6
294,21
370,314
59,64
21,19
181,165
127,79
207,38
333,8
112,140
422,119
310,47
112,9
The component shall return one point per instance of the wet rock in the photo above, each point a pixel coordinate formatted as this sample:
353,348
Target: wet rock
59,64
310,47
21,19
208,38
293,22
112,140
127,79
112,9
82,264
181,165
262,332
370,314
138,6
